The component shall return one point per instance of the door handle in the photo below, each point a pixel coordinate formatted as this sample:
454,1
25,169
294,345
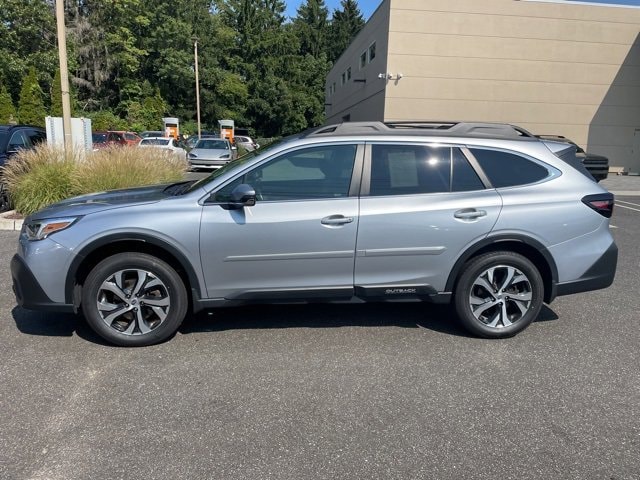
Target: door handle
469,214
336,220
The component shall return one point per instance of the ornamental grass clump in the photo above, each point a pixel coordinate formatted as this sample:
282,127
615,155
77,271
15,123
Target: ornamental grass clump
45,175
39,177
124,167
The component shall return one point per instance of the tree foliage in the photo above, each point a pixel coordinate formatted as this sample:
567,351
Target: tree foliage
7,109
31,109
346,24
131,62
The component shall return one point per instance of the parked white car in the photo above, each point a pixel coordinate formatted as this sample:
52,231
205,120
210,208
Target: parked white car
164,143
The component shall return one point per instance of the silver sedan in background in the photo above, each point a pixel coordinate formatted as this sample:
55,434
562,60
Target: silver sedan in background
210,153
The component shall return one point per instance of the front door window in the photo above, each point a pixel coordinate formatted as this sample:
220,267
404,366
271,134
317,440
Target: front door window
306,174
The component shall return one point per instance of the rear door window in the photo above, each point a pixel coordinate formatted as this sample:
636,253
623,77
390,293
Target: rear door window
420,169
465,178
36,137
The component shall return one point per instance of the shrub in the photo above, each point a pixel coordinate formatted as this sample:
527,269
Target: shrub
37,178
123,167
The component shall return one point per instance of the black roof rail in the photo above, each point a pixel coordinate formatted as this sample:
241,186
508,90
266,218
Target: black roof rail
350,127
472,129
468,128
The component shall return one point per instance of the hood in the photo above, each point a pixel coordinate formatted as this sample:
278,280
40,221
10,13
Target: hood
96,202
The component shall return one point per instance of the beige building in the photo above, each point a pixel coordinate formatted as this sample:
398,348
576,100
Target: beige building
552,67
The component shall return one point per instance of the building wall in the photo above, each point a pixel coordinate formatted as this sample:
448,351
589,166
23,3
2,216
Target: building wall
362,97
553,68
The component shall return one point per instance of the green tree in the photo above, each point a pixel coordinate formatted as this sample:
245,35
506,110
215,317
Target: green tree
345,25
147,114
7,109
311,26
106,120
27,38
31,109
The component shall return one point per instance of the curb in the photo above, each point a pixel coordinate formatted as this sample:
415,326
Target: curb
10,223
626,193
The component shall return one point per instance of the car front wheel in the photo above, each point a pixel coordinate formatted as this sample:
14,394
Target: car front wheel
499,294
134,299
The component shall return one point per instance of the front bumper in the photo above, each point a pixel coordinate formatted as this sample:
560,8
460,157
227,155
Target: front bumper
199,163
29,294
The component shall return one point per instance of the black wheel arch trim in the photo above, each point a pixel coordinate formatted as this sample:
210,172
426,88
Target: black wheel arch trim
70,282
496,240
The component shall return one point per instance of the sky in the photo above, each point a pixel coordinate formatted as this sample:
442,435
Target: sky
367,7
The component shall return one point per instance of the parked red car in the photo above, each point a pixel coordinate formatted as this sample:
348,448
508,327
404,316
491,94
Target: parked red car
125,138
114,137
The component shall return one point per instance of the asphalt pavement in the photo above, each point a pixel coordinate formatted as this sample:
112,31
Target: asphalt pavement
384,391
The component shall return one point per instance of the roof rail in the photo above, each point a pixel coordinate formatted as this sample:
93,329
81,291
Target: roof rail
473,129
350,127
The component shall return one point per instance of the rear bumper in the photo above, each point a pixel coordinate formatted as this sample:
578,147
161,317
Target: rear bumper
599,275
29,294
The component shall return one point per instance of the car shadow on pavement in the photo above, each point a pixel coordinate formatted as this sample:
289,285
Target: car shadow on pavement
439,318
49,324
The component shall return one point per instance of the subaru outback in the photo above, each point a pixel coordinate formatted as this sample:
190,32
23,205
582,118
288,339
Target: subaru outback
483,216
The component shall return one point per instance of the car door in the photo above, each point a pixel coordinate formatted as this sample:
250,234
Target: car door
298,241
421,206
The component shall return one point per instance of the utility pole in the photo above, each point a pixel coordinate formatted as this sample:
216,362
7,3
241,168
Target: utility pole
64,75
195,53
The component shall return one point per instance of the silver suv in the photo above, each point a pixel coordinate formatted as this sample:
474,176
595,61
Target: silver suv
485,216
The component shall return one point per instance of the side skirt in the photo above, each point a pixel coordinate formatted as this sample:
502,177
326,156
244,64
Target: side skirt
378,293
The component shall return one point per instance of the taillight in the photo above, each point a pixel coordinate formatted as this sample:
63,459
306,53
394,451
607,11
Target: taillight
601,203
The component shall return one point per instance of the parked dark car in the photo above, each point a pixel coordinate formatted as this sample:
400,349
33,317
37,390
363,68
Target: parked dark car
14,138
596,165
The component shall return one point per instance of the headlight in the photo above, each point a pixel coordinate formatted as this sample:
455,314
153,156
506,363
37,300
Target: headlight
40,229
193,155
225,156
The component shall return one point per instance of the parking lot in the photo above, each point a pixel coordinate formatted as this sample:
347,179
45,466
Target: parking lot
386,391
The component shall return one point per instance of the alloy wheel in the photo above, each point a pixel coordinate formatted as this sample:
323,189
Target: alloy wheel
133,301
500,296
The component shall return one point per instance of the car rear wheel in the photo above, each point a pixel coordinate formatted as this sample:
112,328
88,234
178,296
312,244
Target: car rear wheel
134,299
499,294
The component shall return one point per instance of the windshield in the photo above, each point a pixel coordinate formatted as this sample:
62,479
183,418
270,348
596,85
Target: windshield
232,165
99,137
213,145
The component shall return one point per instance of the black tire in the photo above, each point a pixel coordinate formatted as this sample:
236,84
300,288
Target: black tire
504,306
155,307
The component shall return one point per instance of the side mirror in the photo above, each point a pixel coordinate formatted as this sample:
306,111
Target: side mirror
242,196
